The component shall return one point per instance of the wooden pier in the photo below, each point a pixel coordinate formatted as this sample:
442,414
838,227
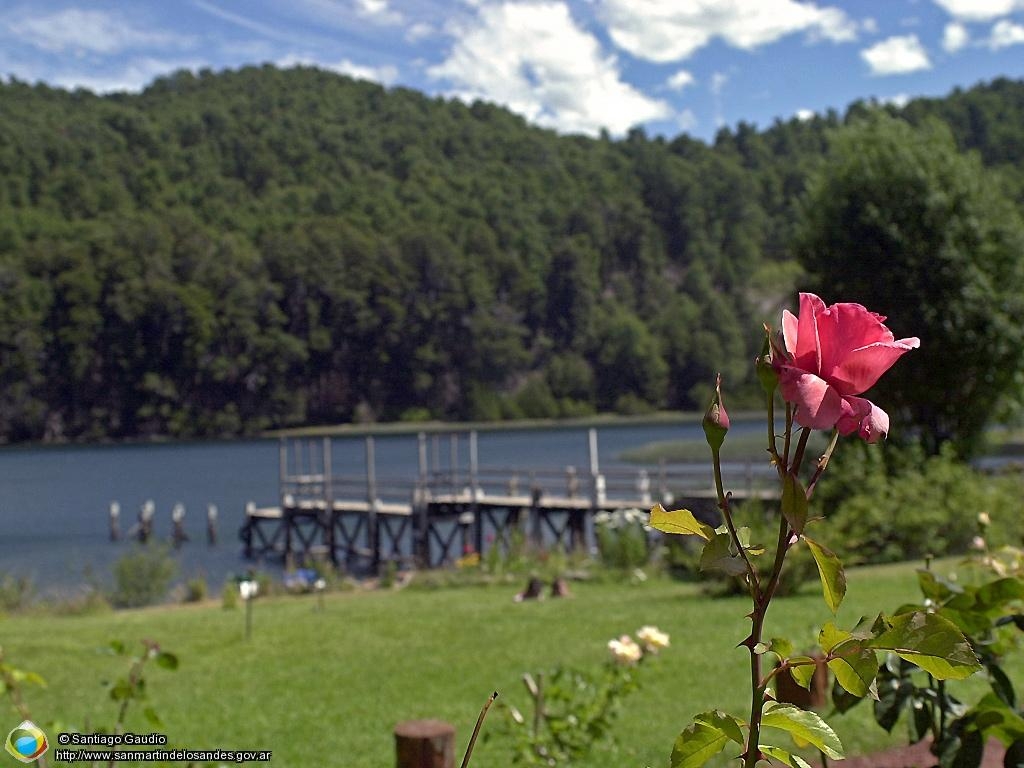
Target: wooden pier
443,513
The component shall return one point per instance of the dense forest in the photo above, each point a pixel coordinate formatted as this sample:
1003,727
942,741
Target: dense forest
228,252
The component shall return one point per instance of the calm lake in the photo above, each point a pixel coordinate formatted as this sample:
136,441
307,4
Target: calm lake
54,501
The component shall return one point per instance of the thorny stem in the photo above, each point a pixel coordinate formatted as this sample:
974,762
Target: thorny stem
773,449
723,503
762,599
798,457
785,446
823,462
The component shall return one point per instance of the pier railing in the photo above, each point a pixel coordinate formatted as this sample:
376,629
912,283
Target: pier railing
424,516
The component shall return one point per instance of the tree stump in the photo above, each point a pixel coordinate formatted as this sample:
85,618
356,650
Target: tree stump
425,744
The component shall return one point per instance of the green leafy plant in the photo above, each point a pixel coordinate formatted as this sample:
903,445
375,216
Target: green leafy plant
571,711
142,577
989,614
621,539
827,357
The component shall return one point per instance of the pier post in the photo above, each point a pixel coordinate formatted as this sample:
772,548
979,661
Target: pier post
474,490
211,524
598,499
327,522
282,462
420,500
421,445
371,498
115,521
178,536
453,461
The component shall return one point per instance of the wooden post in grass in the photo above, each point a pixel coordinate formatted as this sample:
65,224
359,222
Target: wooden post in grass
425,744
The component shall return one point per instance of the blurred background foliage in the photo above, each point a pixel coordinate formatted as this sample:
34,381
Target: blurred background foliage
225,253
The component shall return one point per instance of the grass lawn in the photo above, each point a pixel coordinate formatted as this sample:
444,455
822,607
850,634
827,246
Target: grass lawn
326,688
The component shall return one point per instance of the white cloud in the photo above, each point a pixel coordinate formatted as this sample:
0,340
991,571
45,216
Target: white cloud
83,32
533,58
954,37
419,31
896,56
716,86
385,74
1005,33
667,30
899,100
133,76
803,115
378,11
980,10
680,80
687,120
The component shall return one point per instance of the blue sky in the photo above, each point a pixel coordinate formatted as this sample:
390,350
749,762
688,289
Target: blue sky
673,66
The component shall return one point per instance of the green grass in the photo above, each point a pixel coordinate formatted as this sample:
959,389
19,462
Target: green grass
326,688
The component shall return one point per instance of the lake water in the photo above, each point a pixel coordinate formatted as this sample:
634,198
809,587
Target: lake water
54,501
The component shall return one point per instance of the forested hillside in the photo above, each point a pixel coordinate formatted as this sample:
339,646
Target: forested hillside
229,252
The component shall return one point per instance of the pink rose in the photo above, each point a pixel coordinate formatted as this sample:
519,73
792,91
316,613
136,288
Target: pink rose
833,354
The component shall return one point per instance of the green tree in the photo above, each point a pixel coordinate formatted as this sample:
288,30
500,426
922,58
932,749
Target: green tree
901,222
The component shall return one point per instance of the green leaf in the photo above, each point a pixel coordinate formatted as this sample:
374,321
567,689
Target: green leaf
794,503
801,724
781,646
726,723
696,745
117,647
152,718
167,660
931,642
997,593
854,666
833,578
935,588
995,718
35,679
787,758
802,673
679,521
121,690
718,556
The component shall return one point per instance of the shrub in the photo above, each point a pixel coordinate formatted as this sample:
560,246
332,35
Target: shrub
15,592
195,590
621,539
229,596
143,577
896,505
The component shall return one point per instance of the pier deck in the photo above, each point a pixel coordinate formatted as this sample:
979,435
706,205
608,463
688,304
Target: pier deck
441,515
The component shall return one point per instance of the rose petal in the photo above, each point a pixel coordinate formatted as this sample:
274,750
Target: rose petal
819,406
861,368
865,418
807,353
789,331
844,327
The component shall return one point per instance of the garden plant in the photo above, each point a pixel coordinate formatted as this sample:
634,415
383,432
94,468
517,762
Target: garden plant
825,358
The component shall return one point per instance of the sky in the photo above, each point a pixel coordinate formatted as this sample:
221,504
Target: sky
577,66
